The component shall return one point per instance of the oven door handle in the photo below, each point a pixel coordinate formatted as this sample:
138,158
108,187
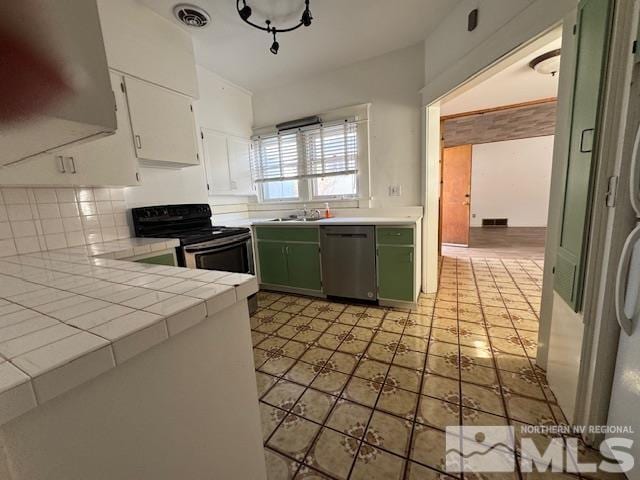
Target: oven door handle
208,247
216,249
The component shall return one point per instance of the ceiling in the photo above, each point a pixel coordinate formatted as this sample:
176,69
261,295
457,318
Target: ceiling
514,83
343,32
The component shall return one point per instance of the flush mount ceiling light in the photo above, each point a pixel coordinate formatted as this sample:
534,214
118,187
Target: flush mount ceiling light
191,15
245,12
547,63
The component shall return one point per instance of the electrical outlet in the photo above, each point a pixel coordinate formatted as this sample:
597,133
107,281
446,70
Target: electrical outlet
473,215
394,190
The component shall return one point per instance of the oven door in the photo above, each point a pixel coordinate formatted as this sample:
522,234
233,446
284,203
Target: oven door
229,254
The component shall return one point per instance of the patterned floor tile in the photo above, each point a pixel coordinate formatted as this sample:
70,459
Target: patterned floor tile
278,466
264,382
315,406
283,395
437,413
389,432
428,447
349,418
361,392
271,418
377,465
333,453
293,437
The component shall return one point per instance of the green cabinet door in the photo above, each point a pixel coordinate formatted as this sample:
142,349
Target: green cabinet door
273,263
163,259
303,260
592,40
395,273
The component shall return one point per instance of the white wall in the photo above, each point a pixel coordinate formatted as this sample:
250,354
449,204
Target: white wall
222,106
391,84
511,180
453,55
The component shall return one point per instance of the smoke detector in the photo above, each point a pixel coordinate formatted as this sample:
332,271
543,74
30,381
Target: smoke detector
191,15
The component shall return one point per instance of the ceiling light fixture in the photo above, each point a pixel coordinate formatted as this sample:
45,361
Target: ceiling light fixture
547,64
245,12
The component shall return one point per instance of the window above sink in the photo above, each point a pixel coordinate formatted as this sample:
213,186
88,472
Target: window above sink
322,162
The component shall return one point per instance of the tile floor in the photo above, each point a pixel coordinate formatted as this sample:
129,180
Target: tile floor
350,391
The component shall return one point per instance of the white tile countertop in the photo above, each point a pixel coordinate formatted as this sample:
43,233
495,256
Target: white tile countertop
399,220
68,315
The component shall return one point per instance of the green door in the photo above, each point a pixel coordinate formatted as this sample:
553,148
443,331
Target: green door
592,39
303,261
395,273
273,263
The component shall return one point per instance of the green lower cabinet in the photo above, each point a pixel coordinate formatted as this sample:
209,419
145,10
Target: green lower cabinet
303,260
395,273
294,265
273,263
163,259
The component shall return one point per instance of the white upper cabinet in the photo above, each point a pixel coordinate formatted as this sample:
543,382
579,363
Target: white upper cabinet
163,125
145,45
214,146
239,166
107,161
227,163
111,160
71,35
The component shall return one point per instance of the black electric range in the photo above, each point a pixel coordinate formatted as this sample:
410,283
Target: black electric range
202,245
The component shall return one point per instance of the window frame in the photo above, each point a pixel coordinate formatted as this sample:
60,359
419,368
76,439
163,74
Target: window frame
306,188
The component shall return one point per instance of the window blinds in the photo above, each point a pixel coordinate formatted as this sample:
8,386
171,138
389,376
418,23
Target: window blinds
275,158
318,151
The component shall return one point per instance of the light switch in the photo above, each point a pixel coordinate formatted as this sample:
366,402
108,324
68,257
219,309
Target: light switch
394,190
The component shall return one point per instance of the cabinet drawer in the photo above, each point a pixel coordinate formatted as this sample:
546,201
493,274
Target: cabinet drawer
394,236
289,234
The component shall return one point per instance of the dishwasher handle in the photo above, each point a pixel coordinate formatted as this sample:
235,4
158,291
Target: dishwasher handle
347,235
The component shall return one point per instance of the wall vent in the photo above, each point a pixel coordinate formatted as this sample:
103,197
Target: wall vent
495,222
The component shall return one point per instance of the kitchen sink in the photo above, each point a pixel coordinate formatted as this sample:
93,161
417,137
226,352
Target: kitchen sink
295,219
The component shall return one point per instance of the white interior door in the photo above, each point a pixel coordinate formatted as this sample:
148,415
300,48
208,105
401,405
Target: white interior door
163,124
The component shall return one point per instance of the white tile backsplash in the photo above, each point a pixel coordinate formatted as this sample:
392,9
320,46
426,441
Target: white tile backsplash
37,219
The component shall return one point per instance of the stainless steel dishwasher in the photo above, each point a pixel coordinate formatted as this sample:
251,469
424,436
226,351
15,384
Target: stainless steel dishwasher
349,261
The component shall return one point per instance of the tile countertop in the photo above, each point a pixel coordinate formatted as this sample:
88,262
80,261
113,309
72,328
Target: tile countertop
406,220
68,315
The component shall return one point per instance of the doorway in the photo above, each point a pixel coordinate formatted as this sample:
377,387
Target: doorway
495,198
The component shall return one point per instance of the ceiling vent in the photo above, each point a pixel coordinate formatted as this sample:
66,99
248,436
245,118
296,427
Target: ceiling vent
191,15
